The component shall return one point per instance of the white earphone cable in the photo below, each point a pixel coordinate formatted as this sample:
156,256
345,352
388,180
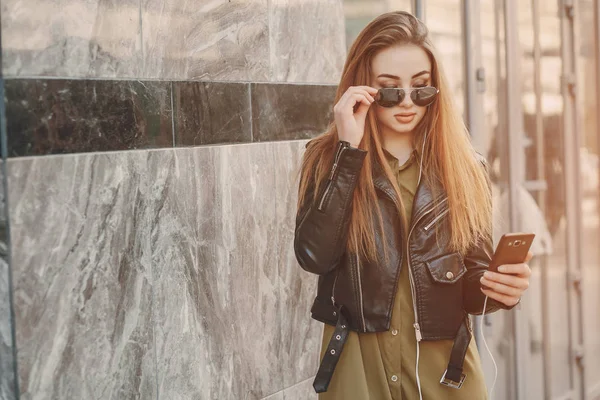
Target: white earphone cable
418,343
482,314
488,349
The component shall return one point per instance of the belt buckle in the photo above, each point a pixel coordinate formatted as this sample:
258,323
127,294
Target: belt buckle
451,383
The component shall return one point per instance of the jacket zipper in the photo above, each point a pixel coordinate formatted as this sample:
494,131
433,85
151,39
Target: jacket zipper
429,225
324,195
412,283
411,279
360,295
338,154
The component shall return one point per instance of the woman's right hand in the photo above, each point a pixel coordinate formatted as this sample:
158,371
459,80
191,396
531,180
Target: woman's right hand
350,124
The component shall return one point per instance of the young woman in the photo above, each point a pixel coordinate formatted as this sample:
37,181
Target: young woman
394,216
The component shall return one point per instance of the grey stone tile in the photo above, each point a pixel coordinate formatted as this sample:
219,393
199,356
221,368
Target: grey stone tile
300,391
210,40
8,389
188,248
300,334
67,38
81,256
238,40
217,274
226,326
307,41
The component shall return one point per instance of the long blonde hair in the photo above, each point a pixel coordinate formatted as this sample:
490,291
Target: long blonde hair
448,155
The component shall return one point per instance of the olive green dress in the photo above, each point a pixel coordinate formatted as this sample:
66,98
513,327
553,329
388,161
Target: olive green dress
381,365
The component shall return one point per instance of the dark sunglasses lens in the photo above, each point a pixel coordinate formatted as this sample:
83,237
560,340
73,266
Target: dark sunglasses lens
389,97
424,96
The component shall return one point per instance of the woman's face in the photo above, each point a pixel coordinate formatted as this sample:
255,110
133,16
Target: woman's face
404,66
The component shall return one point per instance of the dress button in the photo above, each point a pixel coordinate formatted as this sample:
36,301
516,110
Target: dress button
449,275
394,378
394,332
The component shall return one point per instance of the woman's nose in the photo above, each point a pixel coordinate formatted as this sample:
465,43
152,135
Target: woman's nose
407,100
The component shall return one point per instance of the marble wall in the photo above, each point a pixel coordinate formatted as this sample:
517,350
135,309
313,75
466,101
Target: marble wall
151,150
166,271
216,40
162,273
8,388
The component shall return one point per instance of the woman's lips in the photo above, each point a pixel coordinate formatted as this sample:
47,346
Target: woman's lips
404,118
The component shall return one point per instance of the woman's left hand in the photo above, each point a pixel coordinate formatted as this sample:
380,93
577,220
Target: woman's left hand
508,284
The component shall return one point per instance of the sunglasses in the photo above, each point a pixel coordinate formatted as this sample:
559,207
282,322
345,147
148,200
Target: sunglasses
421,96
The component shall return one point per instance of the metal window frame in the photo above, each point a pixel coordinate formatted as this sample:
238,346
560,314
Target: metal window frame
571,146
516,178
592,388
472,53
418,9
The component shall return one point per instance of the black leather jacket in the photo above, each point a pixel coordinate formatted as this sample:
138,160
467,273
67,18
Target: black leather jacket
445,284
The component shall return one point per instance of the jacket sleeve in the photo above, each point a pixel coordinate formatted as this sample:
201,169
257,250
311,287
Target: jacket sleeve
322,226
477,261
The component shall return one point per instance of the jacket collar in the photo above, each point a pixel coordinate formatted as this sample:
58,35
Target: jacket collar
424,194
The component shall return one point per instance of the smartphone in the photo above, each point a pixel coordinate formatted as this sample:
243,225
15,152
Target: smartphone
512,249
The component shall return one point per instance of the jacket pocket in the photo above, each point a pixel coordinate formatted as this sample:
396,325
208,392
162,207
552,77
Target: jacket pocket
447,268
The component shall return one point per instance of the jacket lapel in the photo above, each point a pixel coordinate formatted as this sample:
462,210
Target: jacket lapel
424,194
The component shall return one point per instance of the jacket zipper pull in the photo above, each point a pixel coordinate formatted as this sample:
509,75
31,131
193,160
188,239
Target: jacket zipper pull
418,332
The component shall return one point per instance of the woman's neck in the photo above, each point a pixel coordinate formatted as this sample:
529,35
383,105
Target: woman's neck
399,145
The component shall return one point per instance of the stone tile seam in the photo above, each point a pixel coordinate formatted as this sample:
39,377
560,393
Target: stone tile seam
289,387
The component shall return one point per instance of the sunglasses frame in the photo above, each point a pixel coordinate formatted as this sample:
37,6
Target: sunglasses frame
401,94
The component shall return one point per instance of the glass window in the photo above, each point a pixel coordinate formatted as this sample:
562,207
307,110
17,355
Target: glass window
587,82
443,18
543,111
358,14
499,331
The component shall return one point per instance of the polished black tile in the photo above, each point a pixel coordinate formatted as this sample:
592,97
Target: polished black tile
51,116
288,112
46,116
211,112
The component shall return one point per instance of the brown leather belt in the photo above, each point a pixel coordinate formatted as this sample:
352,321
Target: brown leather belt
334,350
452,377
